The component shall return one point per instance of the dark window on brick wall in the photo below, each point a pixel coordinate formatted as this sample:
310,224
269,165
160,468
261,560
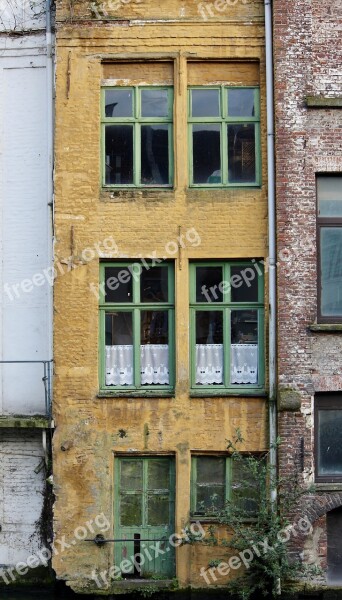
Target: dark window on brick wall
329,240
334,534
328,437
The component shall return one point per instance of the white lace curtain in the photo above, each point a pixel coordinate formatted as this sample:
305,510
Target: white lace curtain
243,367
154,364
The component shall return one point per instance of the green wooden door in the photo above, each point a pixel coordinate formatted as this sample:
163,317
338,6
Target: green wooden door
144,517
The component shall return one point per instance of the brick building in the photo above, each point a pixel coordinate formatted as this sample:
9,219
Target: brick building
160,209
307,56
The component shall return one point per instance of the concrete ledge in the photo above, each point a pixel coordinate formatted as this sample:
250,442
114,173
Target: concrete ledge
325,327
289,400
24,422
323,102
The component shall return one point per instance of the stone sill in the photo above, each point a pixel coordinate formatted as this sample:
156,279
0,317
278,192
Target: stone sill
209,394
328,487
132,194
22,422
137,394
326,327
323,102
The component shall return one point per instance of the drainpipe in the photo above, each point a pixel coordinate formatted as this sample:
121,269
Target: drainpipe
50,148
271,243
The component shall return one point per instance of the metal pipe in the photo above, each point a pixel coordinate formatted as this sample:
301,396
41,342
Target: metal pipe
50,154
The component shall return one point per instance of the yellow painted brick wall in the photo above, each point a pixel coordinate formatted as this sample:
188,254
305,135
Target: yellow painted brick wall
231,224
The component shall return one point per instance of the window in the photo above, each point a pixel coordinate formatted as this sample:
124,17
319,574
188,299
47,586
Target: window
329,234
224,136
217,480
328,437
137,136
137,326
227,325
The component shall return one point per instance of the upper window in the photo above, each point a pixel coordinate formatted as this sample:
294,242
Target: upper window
329,225
224,136
227,325
328,437
137,326
137,136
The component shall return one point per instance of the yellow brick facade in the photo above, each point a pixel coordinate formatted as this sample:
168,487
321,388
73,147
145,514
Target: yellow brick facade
231,223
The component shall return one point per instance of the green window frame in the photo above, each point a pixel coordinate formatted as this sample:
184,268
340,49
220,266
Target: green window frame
137,147
137,328
220,480
227,327
237,154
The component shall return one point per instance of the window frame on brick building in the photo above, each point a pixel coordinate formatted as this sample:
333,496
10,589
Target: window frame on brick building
324,223
136,121
325,402
224,123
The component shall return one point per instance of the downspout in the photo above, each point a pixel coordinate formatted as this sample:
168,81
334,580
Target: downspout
50,150
271,244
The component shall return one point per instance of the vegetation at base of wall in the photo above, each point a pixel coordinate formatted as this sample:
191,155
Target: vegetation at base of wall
252,518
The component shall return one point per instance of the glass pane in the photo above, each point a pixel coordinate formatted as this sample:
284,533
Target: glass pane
208,281
209,327
158,474
331,271
241,103
118,284
119,330
158,510
119,103
154,103
244,487
211,469
329,193
119,154
329,442
154,350
244,284
131,510
154,326
206,149
131,474
205,103
210,498
154,284
241,153
244,326
154,154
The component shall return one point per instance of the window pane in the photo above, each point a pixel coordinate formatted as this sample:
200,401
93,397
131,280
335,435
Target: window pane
158,474
206,153
154,103
211,469
209,327
119,328
119,154
154,284
131,510
245,490
119,103
241,153
244,327
118,284
329,442
329,192
244,347
331,271
244,284
154,154
131,474
205,103
154,350
208,280
210,498
241,103
158,510
154,327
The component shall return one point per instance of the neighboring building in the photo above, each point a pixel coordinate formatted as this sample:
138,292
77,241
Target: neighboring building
160,321
308,101
25,270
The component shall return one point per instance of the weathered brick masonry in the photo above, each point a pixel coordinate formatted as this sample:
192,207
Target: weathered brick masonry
307,55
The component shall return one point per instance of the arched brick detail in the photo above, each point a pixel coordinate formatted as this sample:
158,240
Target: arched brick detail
320,505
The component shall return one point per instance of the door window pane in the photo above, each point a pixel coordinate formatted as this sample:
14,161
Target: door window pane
244,284
131,510
154,103
241,153
119,329
206,153
208,280
131,474
329,193
119,154
154,285
205,103
331,271
158,510
118,284
119,103
329,442
154,154
241,103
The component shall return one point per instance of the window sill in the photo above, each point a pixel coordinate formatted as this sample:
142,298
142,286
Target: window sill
328,487
127,194
227,393
136,394
325,327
